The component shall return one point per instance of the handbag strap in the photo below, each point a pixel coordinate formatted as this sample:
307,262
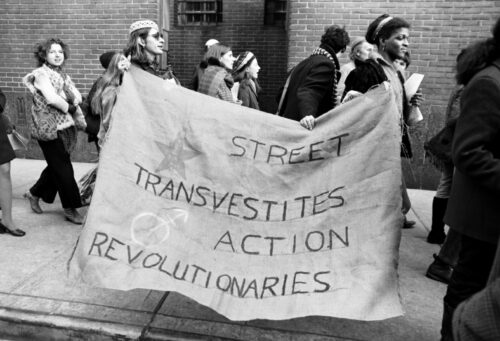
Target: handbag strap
283,94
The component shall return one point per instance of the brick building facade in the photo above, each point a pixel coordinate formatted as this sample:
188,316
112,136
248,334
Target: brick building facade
279,32
439,30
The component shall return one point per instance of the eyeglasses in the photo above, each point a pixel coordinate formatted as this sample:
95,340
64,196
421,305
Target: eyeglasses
157,35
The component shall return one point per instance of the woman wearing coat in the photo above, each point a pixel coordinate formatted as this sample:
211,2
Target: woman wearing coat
246,71
391,36
217,80
473,206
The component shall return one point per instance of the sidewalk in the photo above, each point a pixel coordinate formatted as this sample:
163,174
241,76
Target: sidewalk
39,302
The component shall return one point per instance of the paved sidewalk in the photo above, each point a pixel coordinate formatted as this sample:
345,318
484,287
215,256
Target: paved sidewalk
39,302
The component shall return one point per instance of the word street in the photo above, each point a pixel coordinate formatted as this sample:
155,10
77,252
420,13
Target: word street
274,153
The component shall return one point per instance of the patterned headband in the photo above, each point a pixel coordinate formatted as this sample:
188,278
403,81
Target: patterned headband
379,27
241,63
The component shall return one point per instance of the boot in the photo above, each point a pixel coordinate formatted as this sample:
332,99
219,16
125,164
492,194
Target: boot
439,270
73,215
437,235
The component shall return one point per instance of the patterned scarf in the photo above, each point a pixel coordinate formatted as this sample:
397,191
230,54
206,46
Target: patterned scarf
336,76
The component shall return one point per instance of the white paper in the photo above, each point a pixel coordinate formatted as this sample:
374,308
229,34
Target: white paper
412,84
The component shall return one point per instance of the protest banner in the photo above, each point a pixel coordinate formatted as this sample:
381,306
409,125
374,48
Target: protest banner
246,212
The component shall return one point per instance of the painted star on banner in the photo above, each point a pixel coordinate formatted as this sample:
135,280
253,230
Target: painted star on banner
176,154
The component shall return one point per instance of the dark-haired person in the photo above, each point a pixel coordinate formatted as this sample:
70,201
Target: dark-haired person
217,80
312,85
56,115
391,36
473,206
245,71
144,46
7,224
200,68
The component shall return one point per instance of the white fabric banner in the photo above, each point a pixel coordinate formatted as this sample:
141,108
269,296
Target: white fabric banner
246,212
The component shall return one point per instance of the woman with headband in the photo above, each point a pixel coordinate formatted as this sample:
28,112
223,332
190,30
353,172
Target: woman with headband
391,36
246,70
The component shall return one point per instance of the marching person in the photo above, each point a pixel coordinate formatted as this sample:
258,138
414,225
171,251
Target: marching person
7,224
473,204
245,71
200,68
360,50
312,84
390,35
144,46
217,80
56,115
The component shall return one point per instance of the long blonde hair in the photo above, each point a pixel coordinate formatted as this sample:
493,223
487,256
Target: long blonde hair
112,77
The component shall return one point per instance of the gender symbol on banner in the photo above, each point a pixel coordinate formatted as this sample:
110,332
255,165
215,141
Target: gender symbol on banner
150,229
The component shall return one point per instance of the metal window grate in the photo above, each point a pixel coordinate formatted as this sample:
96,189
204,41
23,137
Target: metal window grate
275,12
199,12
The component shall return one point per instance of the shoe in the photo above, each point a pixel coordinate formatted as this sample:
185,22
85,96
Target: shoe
34,202
408,224
15,233
71,214
436,237
439,270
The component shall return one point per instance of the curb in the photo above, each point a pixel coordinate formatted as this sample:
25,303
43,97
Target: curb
30,325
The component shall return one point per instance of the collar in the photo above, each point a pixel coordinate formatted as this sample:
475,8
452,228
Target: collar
381,60
52,67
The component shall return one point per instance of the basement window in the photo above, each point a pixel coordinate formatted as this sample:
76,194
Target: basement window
275,12
199,12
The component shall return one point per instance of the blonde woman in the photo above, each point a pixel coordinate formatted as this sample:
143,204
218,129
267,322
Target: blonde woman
361,50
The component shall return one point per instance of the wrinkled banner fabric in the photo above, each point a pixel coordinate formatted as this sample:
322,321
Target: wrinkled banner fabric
246,212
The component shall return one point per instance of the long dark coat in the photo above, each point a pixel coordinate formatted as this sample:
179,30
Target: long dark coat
310,90
474,204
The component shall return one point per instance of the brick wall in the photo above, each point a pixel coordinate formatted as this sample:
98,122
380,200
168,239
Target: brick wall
89,27
242,29
439,30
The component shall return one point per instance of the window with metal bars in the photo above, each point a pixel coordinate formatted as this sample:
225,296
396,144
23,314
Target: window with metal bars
199,12
275,12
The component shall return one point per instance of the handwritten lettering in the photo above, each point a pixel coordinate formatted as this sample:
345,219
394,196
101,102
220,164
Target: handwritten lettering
301,281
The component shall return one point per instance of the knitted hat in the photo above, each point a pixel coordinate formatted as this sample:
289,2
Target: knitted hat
211,42
142,24
106,57
243,61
